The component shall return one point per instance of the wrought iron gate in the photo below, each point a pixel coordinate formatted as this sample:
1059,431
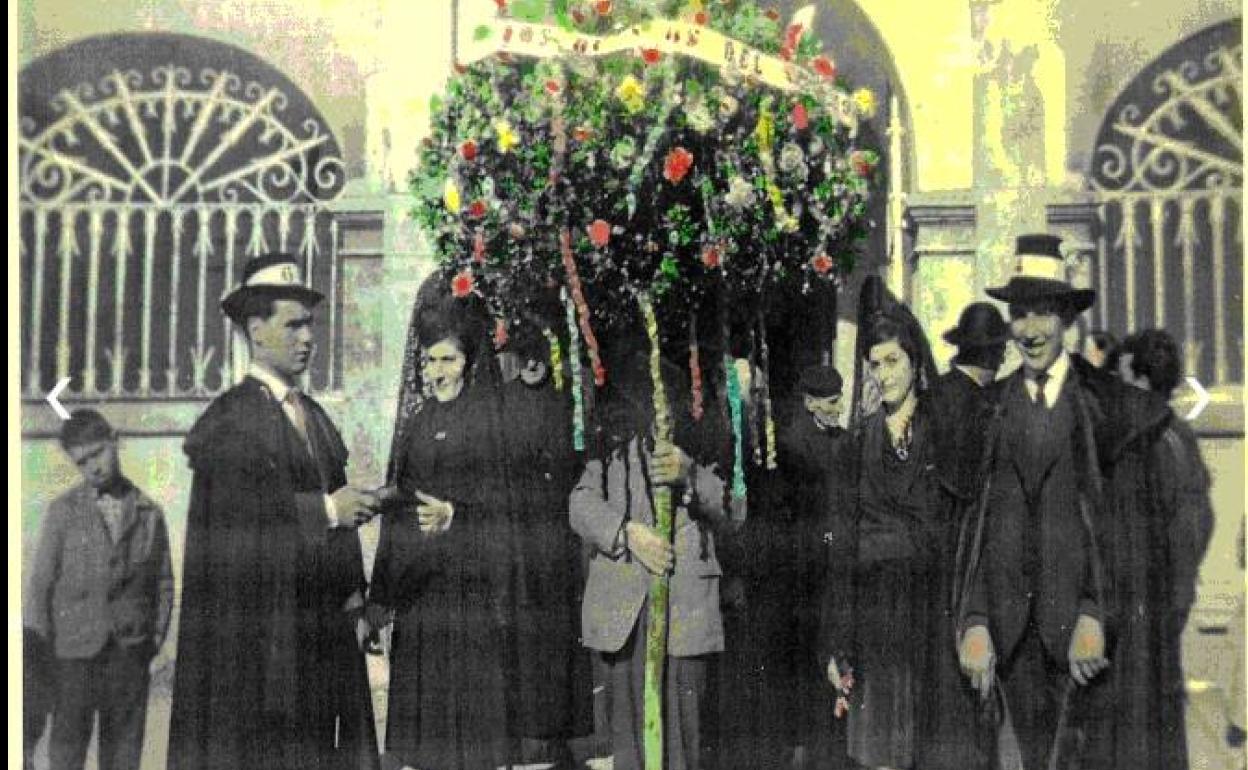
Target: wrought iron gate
143,191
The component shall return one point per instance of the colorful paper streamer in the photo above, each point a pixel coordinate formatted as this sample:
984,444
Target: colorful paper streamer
574,360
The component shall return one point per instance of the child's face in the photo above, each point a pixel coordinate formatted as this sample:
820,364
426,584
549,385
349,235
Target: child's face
96,461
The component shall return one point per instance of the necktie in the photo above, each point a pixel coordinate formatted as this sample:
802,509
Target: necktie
294,409
1042,379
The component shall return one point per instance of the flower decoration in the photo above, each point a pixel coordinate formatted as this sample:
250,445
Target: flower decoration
825,67
632,93
599,233
462,284
507,137
704,184
864,162
624,153
864,100
677,165
450,196
740,193
801,118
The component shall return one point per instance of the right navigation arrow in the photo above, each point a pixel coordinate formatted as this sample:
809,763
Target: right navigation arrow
1202,399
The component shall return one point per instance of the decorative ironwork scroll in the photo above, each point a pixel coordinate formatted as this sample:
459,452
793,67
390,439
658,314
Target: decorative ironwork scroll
1168,173
143,190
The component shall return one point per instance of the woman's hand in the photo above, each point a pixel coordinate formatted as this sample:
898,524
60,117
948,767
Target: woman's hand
978,658
433,515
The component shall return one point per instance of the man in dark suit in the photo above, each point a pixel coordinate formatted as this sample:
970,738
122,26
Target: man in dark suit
1060,549
269,673
100,596
964,396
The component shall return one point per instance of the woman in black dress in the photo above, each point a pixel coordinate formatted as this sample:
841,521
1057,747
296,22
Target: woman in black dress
443,565
889,628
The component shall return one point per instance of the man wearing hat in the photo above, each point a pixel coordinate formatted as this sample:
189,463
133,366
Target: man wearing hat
1057,586
269,673
965,394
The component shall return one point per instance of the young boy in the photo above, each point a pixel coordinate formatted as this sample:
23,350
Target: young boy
100,595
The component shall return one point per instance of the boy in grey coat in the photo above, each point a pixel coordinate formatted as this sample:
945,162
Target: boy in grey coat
100,594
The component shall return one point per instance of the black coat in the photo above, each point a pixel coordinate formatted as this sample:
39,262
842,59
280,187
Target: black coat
962,410
1115,560
552,676
268,673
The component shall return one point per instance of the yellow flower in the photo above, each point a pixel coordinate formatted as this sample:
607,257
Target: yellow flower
507,137
765,130
632,93
864,100
450,195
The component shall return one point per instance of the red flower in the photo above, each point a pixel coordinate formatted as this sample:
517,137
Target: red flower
582,133
599,233
603,7
476,209
651,55
468,149
461,284
502,4
773,14
863,163
552,86
710,257
824,66
801,119
500,334
822,264
786,53
700,17
792,35
677,165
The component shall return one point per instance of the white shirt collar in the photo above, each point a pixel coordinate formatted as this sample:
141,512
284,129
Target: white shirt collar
270,379
1058,371
969,374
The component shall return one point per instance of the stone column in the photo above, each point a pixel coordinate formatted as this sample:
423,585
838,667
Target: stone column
1019,144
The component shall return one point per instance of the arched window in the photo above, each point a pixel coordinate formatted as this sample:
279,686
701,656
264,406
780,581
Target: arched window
1168,170
151,167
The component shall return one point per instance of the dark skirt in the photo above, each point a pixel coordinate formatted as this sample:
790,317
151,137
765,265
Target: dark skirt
553,673
448,698
893,627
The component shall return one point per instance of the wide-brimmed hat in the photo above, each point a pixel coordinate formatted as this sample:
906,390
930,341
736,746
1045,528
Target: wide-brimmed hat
979,326
1039,273
276,276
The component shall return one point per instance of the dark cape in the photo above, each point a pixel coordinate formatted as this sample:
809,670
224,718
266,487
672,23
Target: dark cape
451,592
552,676
888,611
1139,722
268,672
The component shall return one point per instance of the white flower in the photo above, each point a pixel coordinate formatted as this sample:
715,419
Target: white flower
792,158
699,116
740,193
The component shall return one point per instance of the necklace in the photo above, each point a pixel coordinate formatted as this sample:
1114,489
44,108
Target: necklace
899,428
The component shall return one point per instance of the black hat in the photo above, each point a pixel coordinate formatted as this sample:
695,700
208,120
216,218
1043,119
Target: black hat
276,276
980,325
1040,273
529,343
820,381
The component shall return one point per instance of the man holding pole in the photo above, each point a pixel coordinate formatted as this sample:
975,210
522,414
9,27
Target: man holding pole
616,508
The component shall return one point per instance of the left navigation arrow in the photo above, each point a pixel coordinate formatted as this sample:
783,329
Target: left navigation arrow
54,402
